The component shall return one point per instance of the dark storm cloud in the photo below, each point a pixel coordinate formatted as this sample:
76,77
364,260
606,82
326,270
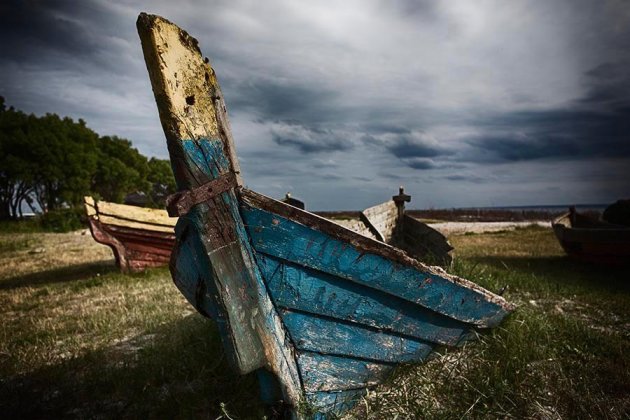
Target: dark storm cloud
420,163
555,135
275,100
392,176
59,33
406,146
42,27
414,91
520,148
609,84
468,178
309,140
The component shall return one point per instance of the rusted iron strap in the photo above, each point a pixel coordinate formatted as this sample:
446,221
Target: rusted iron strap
180,203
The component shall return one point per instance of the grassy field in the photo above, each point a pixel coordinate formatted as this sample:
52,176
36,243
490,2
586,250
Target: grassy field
78,339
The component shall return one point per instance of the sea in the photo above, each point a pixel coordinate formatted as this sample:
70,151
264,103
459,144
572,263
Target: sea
548,209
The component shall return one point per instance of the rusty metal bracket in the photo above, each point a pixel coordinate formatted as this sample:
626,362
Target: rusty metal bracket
181,202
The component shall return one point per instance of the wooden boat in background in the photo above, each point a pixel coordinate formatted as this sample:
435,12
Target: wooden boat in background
292,201
587,239
388,223
319,311
140,237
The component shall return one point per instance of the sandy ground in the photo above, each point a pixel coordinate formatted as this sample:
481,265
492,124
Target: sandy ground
448,228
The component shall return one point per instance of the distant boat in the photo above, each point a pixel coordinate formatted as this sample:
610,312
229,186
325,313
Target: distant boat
319,311
388,222
587,239
140,237
292,201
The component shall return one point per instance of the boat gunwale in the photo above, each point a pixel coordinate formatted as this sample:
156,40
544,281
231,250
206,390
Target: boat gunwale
558,221
93,210
361,242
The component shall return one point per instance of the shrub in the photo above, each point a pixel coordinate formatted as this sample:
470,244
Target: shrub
63,220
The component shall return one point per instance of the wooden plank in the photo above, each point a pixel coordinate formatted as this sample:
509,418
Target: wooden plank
428,286
90,206
119,214
299,288
382,218
333,373
333,403
116,221
335,337
222,269
424,242
363,244
152,239
101,236
221,295
356,225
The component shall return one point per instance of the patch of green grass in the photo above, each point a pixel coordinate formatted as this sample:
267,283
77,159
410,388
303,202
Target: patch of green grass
78,339
30,225
561,354
87,341
535,366
14,246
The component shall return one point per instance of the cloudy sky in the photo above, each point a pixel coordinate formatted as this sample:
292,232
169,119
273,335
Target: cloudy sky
465,103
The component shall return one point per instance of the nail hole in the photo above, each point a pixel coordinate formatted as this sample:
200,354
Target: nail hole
190,100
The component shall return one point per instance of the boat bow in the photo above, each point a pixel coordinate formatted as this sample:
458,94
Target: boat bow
320,311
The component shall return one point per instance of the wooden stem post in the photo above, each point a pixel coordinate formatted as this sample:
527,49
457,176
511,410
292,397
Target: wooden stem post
213,263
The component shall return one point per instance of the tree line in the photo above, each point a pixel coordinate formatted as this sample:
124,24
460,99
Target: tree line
49,163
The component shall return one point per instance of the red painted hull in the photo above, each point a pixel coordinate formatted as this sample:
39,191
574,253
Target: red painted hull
134,249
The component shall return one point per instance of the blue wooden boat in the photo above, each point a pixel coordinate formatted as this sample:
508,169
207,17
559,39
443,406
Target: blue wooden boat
319,311
388,222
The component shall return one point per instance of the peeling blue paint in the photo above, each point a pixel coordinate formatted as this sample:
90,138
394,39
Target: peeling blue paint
284,239
295,287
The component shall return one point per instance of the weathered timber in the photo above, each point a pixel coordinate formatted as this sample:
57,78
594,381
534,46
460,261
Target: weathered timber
334,402
389,223
423,242
381,220
324,372
328,335
222,271
311,291
140,238
367,262
357,225
594,241
320,311
292,201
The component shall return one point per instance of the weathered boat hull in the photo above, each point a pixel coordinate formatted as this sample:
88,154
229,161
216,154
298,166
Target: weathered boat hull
592,241
320,311
137,243
354,308
388,223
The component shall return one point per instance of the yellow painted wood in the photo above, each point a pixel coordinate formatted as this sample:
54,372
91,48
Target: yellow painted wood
130,216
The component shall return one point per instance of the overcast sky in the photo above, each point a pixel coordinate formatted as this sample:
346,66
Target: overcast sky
465,103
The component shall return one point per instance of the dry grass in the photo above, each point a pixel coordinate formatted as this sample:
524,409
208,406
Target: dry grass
30,253
78,339
563,353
